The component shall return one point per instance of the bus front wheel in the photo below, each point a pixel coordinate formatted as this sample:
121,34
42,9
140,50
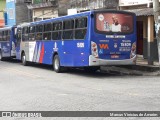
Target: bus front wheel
56,64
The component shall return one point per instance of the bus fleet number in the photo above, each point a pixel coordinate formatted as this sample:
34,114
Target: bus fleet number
80,45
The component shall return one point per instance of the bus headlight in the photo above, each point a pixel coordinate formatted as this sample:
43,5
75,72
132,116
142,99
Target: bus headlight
94,49
133,50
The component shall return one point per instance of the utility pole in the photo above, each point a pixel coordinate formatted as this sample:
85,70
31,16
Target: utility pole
156,8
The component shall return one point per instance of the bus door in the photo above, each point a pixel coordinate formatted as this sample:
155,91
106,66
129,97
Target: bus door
17,43
12,41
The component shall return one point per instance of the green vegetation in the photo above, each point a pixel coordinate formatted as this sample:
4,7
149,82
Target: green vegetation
2,4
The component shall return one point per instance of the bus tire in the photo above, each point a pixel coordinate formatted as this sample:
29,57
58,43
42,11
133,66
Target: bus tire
1,56
91,69
23,59
56,64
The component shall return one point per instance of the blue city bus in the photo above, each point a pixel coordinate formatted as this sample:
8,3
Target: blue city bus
87,40
7,43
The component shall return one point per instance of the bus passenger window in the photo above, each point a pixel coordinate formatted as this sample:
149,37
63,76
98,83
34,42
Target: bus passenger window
3,36
80,28
47,32
47,36
39,30
56,31
19,34
68,27
39,36
8,35
80,34
31,33
25,34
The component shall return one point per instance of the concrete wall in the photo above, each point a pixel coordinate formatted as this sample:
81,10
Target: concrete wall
63,6
153,43
44,13
22,13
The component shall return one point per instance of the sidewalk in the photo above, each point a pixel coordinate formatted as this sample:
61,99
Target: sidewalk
141,68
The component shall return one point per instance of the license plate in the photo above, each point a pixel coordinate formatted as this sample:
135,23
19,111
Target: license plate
114,56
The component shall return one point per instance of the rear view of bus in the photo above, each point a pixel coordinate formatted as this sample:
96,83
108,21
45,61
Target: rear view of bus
7,45
113,38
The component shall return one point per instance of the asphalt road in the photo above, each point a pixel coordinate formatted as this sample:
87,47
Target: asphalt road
39,88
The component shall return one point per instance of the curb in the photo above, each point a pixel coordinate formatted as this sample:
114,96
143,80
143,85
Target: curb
125,71
145,68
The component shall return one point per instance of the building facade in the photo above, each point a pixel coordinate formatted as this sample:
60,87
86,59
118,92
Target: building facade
146,42
43,9
82,5
17,12
2,8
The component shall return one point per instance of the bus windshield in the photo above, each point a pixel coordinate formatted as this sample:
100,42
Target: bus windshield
114,22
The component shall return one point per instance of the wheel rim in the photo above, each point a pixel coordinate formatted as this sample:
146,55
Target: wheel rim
56,64
23,59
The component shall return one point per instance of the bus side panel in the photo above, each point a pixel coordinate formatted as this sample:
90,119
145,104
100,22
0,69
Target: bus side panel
5,48
80,55
41,52
68,46
74,53
46,52
29,49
